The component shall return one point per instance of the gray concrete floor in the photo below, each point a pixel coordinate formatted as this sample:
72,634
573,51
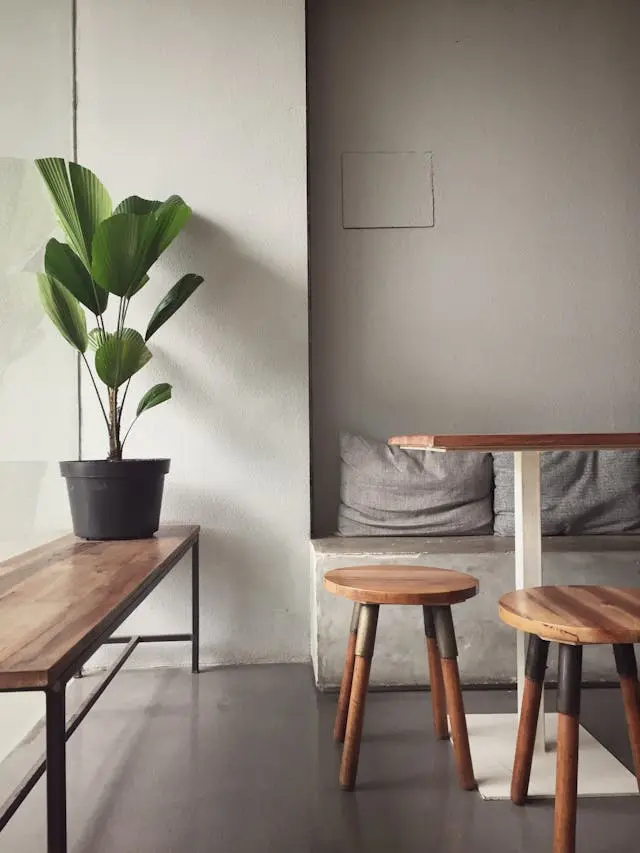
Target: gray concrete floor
242,760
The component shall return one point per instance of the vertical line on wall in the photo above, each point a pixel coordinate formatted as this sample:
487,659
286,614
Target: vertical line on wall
309,290
74,154
74,79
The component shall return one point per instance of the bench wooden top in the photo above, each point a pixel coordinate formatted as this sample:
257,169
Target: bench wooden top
575,614
521,441
395,584
56,601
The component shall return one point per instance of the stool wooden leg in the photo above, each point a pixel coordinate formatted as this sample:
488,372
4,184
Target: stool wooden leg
449,656
570,674
438,701
628,672
537,655
340,724
365,642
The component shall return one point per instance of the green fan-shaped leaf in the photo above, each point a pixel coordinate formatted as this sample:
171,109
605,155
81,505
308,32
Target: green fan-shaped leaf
56,178
120,356
64,311
80,201
121,250
158,394
171,217
137,205
62,263
176,297
97,337
92,200
126,245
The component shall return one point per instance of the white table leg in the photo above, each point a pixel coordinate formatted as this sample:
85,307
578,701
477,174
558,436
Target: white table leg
528,532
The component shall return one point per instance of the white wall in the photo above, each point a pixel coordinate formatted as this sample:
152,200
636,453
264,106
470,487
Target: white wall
206,98
520,309
38,425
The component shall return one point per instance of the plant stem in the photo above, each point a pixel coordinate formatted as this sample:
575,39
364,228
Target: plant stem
115,447
124,397
122,311
124,305
128,431
95,387
94,287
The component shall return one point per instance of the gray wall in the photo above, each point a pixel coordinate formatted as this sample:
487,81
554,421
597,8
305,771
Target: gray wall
520,308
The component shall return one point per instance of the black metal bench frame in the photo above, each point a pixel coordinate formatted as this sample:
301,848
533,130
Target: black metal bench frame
58,730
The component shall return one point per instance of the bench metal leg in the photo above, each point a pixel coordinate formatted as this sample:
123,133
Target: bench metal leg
195,606
56,770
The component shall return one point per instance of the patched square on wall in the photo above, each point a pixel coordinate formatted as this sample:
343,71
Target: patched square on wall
382,189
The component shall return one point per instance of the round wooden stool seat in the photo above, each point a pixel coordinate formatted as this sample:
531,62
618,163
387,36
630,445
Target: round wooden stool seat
575,615
401,585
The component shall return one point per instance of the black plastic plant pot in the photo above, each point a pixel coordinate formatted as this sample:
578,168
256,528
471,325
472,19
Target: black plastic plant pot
115,500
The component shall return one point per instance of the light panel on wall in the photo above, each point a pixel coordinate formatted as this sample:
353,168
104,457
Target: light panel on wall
387,189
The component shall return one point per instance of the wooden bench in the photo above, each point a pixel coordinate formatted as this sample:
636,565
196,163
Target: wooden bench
58,604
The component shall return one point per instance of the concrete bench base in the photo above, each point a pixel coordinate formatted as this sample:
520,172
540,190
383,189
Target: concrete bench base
487,647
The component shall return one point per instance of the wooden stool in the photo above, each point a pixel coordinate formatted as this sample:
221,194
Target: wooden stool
436,590
571,616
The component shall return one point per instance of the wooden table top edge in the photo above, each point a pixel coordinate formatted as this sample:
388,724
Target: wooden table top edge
190,531
519,441
38,678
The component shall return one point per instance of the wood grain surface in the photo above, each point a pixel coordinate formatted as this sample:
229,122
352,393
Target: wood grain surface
355,724
56,600
631,697
566,801
522,441
525,741
342,711
401,584
436,681
458,719
575,614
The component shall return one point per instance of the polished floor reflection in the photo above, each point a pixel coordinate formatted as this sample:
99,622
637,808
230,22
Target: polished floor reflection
242,760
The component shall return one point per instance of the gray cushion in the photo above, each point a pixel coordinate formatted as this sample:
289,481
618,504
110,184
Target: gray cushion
581,492
387,491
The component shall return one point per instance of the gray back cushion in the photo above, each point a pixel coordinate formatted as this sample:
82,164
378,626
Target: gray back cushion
387,491
581,492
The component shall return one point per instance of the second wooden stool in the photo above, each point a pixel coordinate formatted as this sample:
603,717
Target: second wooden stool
435,590
573,617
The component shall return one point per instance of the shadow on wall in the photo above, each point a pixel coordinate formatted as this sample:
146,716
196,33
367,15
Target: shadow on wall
240,373
246,615
26,222
254,321
20,485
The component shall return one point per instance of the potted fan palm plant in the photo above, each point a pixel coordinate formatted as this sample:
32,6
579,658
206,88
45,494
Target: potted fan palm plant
107,257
